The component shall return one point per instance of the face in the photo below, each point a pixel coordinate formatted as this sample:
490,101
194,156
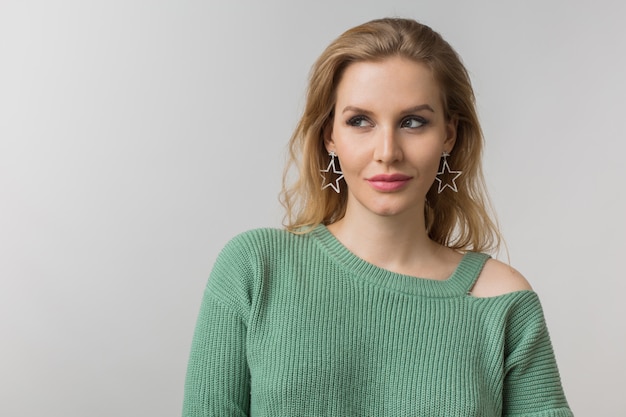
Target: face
389,132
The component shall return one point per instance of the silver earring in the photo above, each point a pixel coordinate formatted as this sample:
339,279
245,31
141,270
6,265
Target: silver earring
331,170
449,175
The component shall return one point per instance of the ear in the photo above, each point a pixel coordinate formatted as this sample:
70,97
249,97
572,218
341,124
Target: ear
451,129
329,142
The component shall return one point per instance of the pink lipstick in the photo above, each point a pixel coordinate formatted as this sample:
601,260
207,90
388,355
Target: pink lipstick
389,182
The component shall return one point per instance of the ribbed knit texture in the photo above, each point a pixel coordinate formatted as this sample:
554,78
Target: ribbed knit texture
296,325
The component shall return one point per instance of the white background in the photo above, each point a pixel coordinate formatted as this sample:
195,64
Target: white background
137,137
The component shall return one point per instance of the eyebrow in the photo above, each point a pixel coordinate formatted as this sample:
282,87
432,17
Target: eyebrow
409,110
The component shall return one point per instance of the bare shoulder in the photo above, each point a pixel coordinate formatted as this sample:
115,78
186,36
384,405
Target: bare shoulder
498,278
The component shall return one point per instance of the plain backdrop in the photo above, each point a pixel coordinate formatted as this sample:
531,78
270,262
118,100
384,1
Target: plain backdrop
137,137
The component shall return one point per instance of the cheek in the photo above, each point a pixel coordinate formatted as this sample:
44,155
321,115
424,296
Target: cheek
351,158
349,163
426,160
433,164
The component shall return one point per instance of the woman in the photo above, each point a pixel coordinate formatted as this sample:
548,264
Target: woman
377,300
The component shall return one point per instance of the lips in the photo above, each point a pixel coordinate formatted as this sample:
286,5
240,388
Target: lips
389,182
389,177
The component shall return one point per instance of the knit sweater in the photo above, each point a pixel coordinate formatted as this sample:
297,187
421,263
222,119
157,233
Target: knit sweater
297,325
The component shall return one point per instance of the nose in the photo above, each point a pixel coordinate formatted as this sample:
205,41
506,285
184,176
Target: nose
387,150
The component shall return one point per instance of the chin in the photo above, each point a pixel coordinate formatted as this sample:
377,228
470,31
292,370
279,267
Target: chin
389,205
387,212
391,211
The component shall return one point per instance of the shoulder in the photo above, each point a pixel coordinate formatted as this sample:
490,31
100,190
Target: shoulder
246,260
498,278
259,244
243,258
238,271
258,239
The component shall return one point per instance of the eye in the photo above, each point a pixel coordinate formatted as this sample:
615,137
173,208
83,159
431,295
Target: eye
358,121
413,122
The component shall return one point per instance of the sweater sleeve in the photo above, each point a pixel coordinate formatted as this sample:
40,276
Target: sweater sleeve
218,378
532,385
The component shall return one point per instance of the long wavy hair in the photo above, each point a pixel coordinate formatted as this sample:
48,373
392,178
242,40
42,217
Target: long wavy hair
462,220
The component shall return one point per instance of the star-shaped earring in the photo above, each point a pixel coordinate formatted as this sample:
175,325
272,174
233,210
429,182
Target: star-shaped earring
445,170
331,169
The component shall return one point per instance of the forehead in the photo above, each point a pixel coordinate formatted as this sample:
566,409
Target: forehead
391,82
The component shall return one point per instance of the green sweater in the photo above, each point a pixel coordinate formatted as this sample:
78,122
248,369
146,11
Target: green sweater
296,325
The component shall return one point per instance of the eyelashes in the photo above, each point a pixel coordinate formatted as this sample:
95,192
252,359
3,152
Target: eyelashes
409,122
413,122
358,121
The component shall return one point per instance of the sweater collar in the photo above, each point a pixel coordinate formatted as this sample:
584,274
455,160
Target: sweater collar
458,284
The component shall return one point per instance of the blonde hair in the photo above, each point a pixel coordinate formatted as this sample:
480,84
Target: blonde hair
461,220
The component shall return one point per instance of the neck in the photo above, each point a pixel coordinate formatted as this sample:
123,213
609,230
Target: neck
398,243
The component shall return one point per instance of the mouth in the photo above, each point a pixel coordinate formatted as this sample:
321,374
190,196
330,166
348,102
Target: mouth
389,182
390,177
